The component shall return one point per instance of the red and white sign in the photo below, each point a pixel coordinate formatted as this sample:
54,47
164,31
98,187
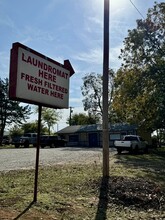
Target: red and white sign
37,79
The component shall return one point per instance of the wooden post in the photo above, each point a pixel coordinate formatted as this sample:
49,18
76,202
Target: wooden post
105,90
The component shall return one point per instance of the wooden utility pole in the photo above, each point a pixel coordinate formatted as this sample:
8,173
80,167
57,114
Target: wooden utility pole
105,90
70,117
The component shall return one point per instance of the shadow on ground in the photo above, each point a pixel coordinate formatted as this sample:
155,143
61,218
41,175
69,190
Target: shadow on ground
152,163
24,211
103,199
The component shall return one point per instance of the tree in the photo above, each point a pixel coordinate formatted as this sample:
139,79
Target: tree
32,127
93,94
10,111
140,83
81,119
16,131
131,103
50,117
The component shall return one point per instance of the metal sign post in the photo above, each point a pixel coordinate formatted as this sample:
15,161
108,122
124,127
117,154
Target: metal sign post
37,153
105,90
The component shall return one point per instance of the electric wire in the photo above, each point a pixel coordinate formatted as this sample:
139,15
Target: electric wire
137,9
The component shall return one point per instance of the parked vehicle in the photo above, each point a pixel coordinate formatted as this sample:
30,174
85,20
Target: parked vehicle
45,140
131,143
52,141
6,140
26,140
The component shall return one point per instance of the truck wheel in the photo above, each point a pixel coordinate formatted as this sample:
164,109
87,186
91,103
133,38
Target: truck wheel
52,145
64,144
16,145
26,144
130,150
119,151
136,149
146,150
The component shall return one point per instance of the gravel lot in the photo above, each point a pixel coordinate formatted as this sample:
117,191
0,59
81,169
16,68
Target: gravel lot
24,158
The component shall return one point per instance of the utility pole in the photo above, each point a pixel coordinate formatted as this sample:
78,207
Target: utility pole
70,117
105,90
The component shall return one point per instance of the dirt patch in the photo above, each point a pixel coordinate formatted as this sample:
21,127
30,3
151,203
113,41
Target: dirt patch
136,193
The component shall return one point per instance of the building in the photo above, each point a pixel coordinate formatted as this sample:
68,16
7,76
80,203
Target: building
91,135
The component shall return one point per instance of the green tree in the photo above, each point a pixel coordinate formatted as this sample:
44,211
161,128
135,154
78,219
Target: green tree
81,119
16,131
93,93
32,127
50,117
10,111
132,103
140,83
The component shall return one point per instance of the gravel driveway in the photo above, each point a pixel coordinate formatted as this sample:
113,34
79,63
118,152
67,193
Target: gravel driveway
24,158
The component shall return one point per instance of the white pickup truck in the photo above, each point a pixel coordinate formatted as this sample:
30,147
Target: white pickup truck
131,143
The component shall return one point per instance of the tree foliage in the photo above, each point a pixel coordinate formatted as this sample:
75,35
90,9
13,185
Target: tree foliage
11,112
29,127
81,119
50,117
93,93
32,127
16,131
140,83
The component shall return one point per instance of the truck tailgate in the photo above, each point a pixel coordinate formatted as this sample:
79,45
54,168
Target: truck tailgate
122,143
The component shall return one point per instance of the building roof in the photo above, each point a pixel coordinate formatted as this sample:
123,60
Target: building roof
122,127
95,128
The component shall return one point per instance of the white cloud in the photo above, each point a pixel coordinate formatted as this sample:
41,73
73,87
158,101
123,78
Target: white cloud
95,56
6,21
92,56
76,101
115,63
4,64
51,4
34,33
119,5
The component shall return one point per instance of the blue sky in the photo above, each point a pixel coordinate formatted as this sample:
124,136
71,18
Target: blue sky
68,29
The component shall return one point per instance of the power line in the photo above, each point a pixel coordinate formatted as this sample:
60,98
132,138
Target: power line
137,9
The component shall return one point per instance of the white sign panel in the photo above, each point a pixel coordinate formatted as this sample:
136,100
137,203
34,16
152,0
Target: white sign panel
37,79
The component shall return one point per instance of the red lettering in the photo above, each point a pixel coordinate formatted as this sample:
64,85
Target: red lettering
56,94
47,76
23,57
38,89
31,79
29,60
50,72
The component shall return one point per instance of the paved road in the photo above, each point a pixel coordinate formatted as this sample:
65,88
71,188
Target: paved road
24,158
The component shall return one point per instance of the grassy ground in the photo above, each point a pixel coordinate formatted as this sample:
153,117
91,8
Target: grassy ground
135,190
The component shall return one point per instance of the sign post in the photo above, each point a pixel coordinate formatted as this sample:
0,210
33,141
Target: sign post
37,154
